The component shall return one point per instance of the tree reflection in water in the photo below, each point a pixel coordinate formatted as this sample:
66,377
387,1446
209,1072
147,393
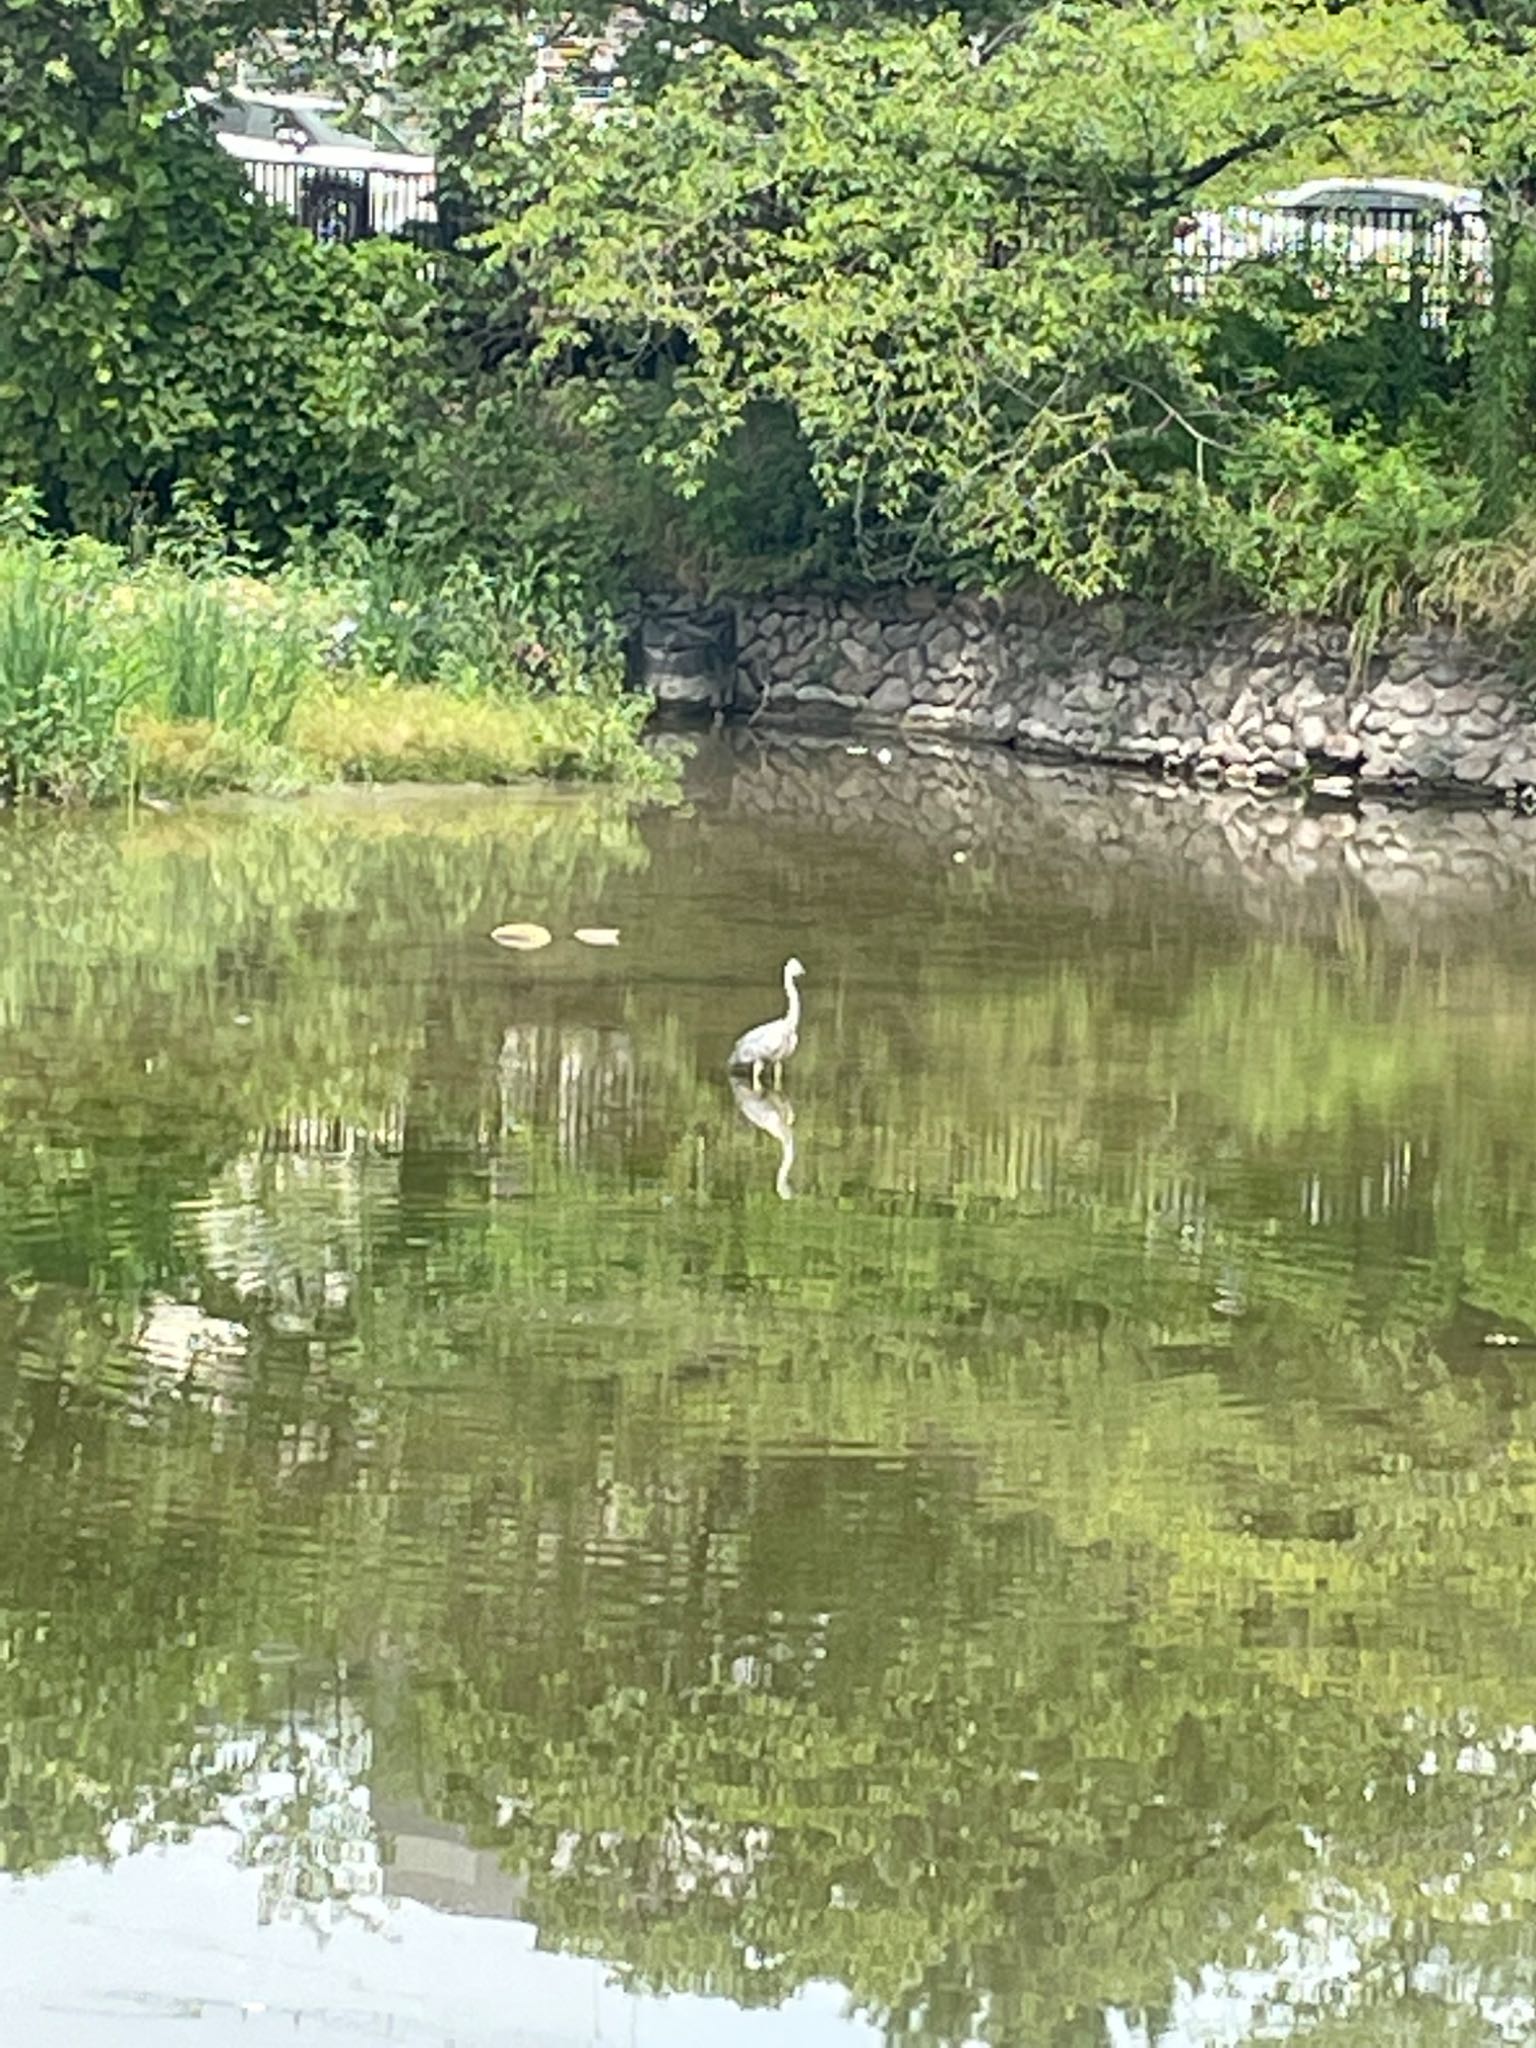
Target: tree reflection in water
1064,1578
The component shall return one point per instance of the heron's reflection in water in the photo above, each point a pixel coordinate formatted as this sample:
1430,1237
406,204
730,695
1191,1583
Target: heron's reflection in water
773,1113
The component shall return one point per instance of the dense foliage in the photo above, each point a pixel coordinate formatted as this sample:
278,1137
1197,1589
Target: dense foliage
832,290
185,370
992,244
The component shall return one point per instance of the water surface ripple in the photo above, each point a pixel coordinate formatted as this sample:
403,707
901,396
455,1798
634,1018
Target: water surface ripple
1021,1536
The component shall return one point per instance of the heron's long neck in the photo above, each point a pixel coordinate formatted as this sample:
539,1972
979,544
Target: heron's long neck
792,992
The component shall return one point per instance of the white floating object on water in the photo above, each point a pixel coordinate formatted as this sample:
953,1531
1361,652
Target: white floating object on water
959,857
885,757
598,934
275,1656
522,938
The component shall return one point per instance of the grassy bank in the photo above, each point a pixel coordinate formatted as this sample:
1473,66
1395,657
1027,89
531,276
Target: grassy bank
168,677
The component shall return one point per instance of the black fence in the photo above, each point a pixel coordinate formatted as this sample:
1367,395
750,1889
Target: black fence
1438,263
350,205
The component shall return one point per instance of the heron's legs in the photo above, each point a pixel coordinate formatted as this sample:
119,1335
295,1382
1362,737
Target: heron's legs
778,1073
757,1073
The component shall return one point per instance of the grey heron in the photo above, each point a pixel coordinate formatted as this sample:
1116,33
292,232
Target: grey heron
771,1044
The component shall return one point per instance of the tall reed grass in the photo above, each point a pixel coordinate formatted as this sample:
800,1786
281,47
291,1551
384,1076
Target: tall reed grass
204,656
59,707
176,678
462,628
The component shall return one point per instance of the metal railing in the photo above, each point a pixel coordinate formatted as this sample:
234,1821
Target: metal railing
1441,262
348,205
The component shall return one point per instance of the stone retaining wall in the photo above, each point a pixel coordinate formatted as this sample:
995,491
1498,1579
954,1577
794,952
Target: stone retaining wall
1247,703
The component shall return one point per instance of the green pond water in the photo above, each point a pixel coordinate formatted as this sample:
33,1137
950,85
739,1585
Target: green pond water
1025,1538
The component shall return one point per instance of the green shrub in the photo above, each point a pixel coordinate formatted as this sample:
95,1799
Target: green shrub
503,551
757,521
210,353
1306,519
458,625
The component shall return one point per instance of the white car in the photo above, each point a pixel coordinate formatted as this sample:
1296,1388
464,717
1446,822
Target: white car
342,186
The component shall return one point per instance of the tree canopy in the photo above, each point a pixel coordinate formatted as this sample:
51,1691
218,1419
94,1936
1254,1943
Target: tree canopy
83,86
954,275
875,293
